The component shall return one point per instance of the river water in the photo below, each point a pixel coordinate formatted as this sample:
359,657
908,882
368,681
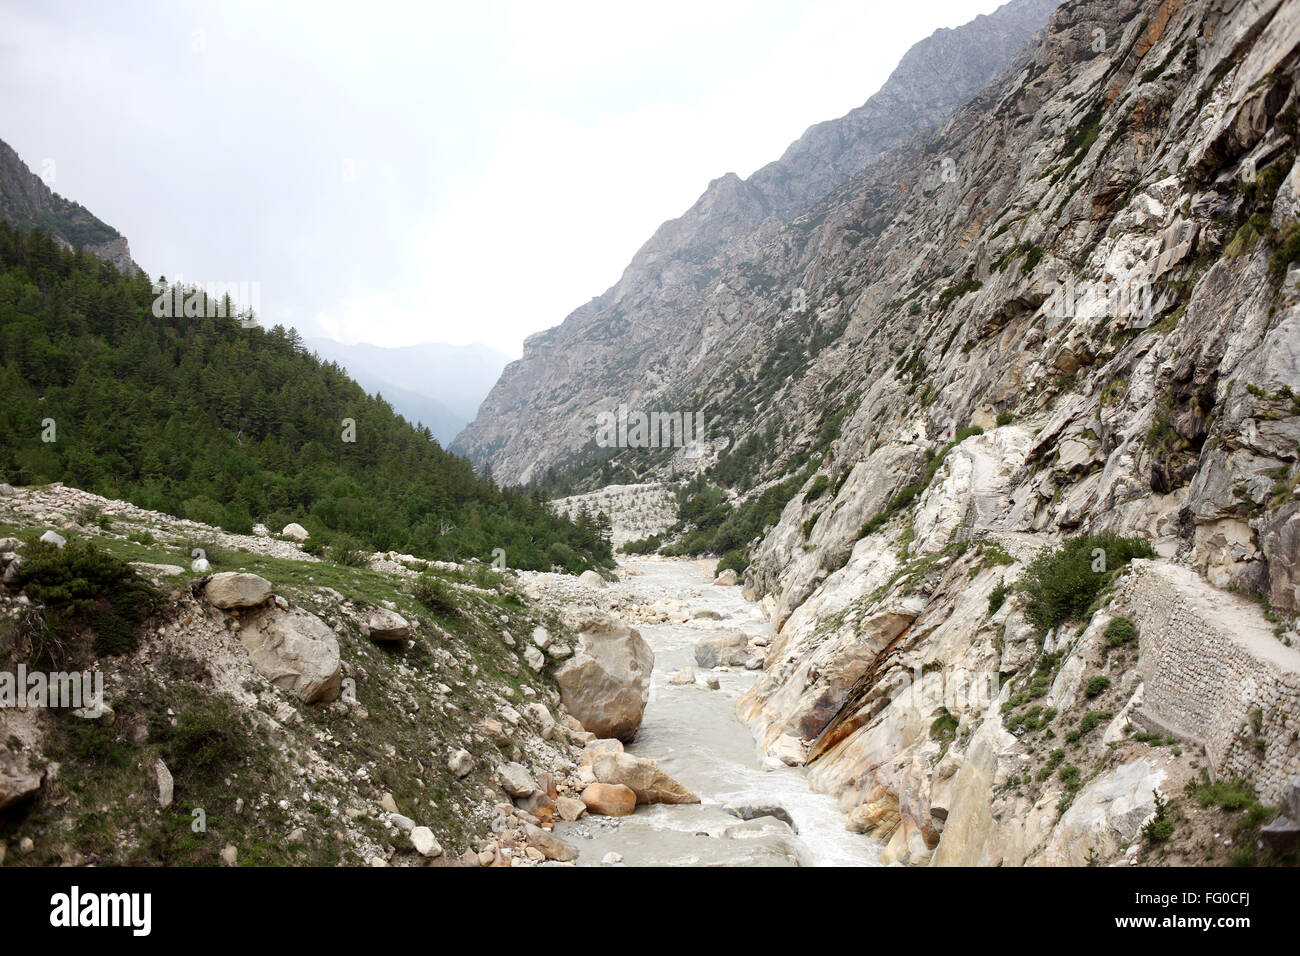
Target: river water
694,735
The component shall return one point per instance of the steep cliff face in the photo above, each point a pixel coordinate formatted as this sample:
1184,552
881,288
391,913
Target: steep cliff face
1070,312
1107,289
26,202
644,339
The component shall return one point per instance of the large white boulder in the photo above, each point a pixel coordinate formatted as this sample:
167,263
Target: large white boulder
296,651
237,589
295,531
383,625
722,648
640,775
606,684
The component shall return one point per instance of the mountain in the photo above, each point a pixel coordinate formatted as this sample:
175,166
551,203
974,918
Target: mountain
437,385
214,422
1019,485
26,202
642,336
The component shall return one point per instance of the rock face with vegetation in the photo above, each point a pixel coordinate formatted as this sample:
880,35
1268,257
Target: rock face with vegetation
251,714
27,202
1018,482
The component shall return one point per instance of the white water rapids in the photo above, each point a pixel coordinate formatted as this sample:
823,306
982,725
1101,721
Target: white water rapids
694,734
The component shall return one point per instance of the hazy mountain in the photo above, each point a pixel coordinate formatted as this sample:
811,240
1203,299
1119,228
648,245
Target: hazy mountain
621,345
438,385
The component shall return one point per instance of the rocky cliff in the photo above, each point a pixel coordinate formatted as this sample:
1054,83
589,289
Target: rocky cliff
1036,575
27,202
645,338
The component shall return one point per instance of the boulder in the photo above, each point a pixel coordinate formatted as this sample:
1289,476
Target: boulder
728,648
516,780
425,844
684,676
534,658
571,808
7,490
296,651
166,786
495,731
606,683
591,579
460,763
54,538
18,781
552,847
295,531
383,625
609,799
236,589
728,578
752,810
643,777
9,545
541,637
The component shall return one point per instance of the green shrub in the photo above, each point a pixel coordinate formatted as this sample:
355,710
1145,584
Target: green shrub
944,727
348,551
1005,418
1096,686
1063,583
996,598
1120,631
82,590
1161,826
732,560
1091,719
435,594
818,488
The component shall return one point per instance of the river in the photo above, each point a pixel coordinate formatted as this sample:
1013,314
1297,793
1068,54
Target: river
694,735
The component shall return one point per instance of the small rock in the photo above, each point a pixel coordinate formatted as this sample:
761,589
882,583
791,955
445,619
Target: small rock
460,763
516,780
611,859
423,840
165,784
684,676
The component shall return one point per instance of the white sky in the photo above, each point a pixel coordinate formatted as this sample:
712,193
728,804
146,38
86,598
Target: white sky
402,173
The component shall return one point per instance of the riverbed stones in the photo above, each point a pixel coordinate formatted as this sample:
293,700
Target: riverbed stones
609,799
722,648
236,589
296,651
642,776
551,847
570,808
606,684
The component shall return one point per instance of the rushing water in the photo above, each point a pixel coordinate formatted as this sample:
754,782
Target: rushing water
694,735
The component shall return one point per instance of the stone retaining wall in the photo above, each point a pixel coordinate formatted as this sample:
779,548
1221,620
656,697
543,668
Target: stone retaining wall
1215,674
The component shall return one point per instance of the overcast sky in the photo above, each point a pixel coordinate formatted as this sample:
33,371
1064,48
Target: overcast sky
403,173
